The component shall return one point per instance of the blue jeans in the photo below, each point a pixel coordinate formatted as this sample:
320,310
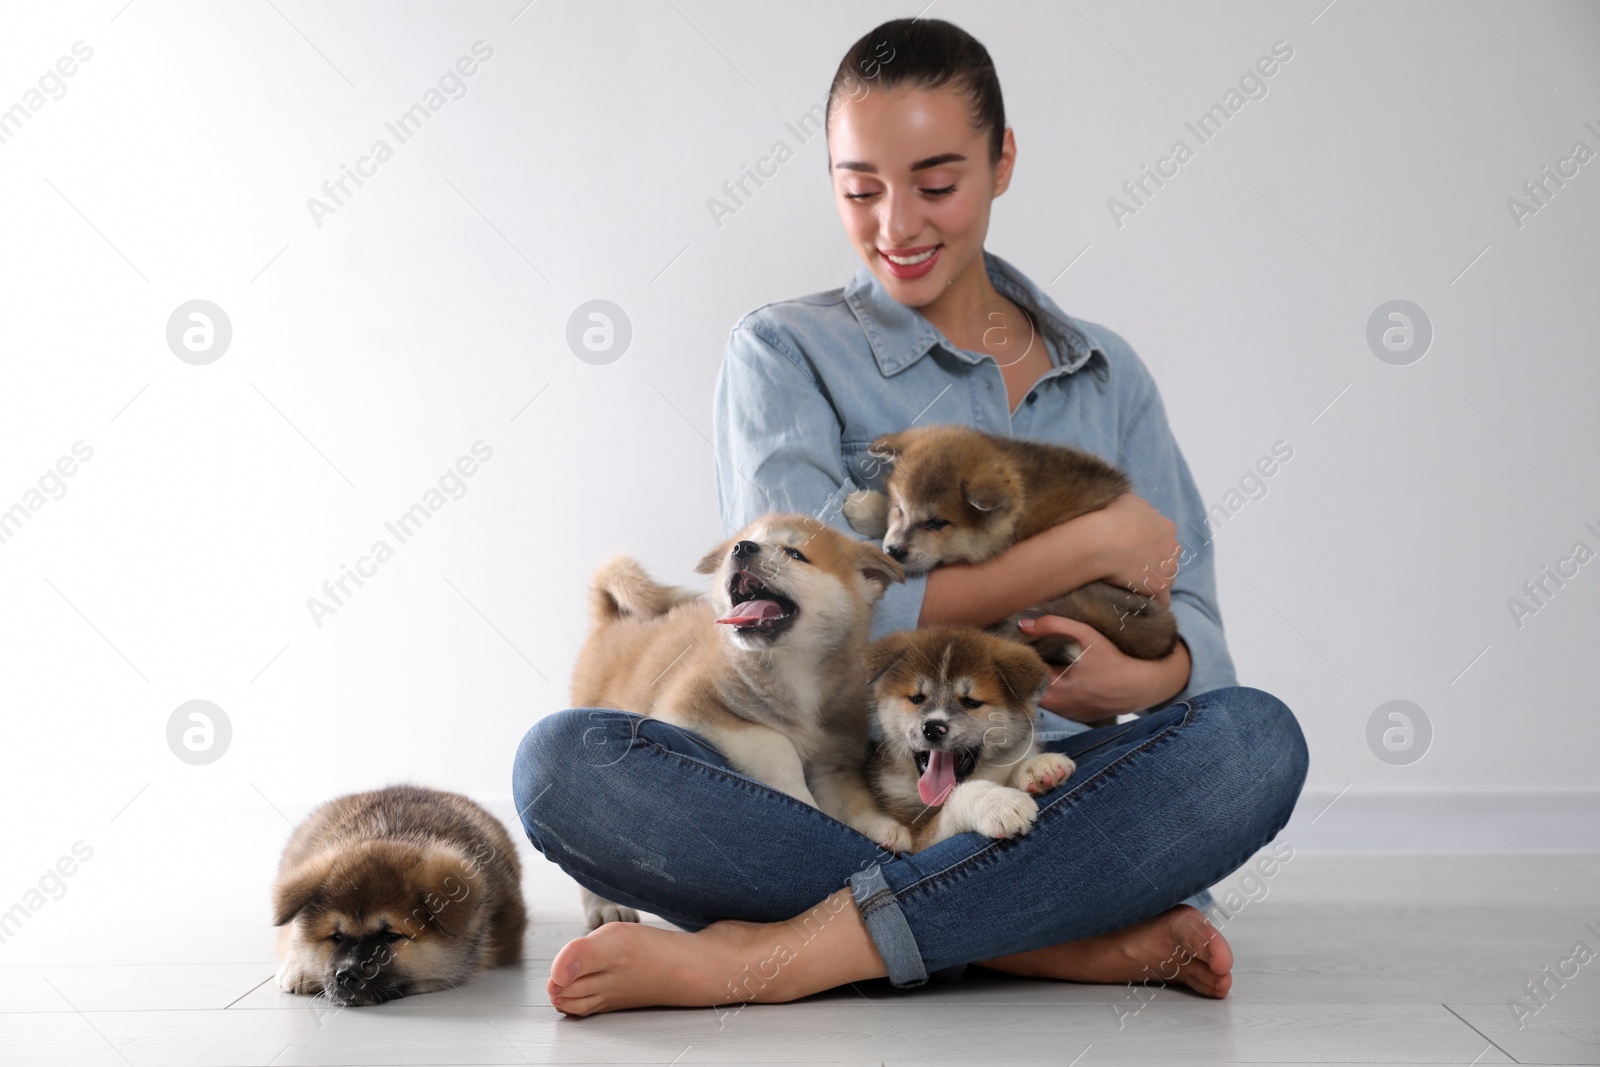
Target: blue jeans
650,815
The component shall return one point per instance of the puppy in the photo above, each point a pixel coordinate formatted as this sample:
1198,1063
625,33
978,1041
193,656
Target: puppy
955,713
398,891
767,667
955,494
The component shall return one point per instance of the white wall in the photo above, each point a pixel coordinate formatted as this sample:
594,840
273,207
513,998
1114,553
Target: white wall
372,351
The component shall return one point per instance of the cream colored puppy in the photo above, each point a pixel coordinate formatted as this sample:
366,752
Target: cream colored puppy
767,667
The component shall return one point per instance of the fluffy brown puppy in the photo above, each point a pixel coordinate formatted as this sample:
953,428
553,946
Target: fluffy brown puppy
398,891
767,667
955,708
955,494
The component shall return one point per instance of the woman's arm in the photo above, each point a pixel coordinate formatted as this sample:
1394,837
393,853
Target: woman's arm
981,594
1128,543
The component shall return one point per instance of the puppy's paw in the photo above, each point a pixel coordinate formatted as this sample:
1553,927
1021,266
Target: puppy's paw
991,809
867,511
598,911
293,977
612,912
1006,813
887,832
1043,773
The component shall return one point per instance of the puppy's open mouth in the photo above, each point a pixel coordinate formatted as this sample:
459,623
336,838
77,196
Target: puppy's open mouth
939,771
758,609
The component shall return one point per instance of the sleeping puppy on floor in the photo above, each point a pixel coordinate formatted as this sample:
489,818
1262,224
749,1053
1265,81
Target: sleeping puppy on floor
955,494
398,891
767,667
955,712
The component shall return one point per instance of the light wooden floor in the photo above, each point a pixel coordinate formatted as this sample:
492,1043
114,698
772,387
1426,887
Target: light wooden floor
1342,959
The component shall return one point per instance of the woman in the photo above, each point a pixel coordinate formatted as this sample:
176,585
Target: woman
932,329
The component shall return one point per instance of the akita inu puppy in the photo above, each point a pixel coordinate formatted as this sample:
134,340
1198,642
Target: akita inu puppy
955,709
955,494
767,668
396,891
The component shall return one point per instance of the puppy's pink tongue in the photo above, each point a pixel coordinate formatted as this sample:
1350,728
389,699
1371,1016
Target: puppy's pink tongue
937,781
752,611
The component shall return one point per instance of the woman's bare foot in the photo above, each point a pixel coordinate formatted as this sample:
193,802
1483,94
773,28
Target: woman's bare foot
629,965
1178,945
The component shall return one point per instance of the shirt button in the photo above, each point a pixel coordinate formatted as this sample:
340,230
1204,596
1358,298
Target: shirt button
1032,397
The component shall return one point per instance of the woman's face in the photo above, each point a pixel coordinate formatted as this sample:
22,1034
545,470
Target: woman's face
913,183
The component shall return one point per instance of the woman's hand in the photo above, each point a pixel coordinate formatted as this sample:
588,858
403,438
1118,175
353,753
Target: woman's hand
1137,546
1104,682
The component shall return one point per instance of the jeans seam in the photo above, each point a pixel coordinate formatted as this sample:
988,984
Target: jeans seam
934,879
1100,744
1111,769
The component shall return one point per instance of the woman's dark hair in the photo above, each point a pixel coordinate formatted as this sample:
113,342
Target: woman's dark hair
925,54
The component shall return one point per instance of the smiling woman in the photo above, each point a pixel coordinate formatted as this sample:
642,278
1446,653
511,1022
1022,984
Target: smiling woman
930,330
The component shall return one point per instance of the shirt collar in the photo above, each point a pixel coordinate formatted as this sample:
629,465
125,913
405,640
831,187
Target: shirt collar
900,336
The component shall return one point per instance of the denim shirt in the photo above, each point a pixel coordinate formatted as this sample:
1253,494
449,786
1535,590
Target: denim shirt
808,384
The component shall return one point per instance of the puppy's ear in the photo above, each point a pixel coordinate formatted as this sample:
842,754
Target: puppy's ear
1021,671
877,567
713,559
298,887
446,887
994,489
884,654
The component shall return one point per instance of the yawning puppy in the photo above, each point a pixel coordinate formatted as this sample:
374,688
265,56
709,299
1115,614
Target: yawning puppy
767,667
955,494
955,710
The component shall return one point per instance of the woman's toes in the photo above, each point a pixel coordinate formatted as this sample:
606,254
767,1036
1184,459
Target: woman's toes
1192,932
576,958
575,1005
582,971
1219,954
1198,977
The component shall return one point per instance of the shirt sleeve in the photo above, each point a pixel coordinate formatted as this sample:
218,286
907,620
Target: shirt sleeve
1156,467
779,447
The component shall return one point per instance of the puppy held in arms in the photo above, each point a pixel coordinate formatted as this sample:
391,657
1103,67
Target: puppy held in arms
398,891
955,709
955,494
767,667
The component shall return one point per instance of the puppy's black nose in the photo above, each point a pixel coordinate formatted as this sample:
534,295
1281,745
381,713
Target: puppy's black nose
745,548
933,730
347,977
896,552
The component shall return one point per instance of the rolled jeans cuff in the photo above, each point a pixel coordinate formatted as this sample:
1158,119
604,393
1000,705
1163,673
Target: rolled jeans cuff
886,925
